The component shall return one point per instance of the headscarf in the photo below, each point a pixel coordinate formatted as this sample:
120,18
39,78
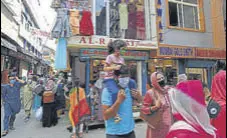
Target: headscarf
50,85
218,91
156,77
188,105
182,77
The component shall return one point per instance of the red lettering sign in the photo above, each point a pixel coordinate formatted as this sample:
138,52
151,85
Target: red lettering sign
211,53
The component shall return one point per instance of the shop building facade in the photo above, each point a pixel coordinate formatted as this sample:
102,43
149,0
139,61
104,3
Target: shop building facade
20,49
193,37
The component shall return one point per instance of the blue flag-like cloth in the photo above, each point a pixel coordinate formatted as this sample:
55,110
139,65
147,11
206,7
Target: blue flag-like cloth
61,55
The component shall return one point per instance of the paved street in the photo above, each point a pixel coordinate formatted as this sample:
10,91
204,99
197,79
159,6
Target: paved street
33,129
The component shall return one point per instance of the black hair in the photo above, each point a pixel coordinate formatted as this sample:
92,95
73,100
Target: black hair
92,82
82,85
117,44
220,65
124,70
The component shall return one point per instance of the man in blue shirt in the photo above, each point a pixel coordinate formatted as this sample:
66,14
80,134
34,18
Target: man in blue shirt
11,101
122,106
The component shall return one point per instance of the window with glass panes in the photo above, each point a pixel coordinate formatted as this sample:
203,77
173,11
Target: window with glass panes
184,14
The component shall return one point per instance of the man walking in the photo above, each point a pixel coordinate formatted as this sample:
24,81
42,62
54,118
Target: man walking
11,102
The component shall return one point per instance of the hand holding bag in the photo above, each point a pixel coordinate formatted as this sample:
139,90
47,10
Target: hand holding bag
154,118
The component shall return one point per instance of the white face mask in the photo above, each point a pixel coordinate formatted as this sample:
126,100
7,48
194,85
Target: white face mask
123,82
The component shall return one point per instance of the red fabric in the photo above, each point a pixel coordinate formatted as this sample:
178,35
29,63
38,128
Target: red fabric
146,109
83,110
219,95
140,24
86,26
218,91
186,134
189,87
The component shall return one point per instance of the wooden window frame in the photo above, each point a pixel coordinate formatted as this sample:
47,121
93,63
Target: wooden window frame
201,18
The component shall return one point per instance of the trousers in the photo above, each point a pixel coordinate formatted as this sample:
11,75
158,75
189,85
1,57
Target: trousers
9,117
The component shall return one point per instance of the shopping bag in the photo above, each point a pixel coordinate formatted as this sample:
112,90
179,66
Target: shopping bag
39,114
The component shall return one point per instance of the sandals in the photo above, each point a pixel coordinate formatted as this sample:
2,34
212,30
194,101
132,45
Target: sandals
4,133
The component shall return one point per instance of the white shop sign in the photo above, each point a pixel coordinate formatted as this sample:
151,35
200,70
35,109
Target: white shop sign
103,41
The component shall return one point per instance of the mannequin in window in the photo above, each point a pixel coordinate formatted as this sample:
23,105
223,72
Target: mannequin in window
131,32
140,21
123,11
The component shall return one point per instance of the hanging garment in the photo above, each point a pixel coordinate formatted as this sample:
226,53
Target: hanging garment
140,23
123,11
62,28
61,55
78,106
131,32
101,23
86,26
114,20
75,21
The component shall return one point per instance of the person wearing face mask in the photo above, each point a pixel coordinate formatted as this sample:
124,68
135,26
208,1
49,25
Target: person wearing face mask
11,102
28,98
156,108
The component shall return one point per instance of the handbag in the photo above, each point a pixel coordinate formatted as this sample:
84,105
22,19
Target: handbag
213,109
154,118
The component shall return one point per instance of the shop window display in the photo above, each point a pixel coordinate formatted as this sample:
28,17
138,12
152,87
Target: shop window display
127,19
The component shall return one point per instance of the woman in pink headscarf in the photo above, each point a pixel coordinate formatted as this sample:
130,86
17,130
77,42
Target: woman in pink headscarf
156,105
218,94
190,112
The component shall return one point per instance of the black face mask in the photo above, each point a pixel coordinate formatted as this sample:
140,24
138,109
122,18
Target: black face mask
162,83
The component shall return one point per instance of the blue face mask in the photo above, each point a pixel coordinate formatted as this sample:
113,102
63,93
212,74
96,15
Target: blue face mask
123,82
12,81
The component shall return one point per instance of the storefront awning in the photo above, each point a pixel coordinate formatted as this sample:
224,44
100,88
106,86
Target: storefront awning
8,45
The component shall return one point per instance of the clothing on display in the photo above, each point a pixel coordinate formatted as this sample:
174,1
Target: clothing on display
61,55
123,11
101,23
86,26
114,20
140,23
62,28
131,32
75,21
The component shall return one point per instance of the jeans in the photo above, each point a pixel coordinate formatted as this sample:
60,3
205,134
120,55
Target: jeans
130,135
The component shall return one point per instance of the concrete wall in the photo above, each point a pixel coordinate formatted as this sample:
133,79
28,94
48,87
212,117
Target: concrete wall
189,38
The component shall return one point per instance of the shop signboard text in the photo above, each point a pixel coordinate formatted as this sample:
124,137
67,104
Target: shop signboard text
176,52
102,53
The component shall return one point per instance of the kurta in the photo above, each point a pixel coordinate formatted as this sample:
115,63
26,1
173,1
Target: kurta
75,22
28,96
162,129
123,11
